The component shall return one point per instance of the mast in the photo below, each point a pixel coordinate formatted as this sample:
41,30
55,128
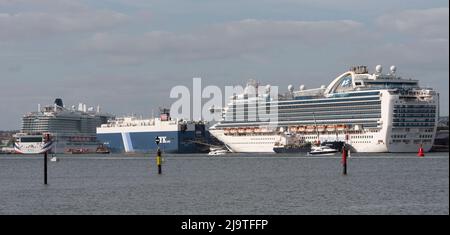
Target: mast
315,124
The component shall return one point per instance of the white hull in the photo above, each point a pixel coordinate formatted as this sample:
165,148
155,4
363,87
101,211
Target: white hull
33,148
265,143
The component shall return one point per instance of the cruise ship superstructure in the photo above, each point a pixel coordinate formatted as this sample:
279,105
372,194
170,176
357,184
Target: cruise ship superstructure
372,112
131,134
72,130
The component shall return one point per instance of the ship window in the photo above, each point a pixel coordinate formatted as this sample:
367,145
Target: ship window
30,139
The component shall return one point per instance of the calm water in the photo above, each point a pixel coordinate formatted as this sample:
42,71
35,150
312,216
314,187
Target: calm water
232,184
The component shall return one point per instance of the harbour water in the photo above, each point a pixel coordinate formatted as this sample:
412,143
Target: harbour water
231,184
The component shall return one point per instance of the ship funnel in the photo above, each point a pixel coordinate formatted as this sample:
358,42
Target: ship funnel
59,102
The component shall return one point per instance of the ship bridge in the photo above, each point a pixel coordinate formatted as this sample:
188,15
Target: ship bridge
358,78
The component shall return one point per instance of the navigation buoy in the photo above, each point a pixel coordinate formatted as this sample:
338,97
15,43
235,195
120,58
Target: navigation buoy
344,160
159,161
158,156
421,153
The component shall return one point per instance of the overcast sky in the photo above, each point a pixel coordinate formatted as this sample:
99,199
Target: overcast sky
126,55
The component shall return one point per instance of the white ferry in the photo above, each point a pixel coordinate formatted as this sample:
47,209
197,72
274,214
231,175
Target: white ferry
372,112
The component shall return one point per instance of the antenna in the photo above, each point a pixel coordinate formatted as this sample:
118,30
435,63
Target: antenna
378,69
393,69
290,88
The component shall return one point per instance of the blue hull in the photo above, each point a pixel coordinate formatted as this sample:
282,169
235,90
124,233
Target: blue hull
144,142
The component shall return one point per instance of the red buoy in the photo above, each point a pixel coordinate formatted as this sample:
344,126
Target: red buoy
421,153
344,160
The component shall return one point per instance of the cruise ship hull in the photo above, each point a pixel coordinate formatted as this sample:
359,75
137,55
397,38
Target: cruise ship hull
62,145
265,143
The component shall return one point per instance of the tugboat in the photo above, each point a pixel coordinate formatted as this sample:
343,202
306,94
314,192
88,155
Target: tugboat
338,145
102,150
300,148
77,151
291,143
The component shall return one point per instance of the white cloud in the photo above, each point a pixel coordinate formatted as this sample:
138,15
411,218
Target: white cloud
52,17
430,23
224,40
426,54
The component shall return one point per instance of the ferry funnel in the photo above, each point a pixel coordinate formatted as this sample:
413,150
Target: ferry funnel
59,102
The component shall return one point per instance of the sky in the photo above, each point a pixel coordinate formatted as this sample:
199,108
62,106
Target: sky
126,55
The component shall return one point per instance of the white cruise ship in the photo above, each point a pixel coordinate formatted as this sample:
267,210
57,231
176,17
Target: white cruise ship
71,130
371,112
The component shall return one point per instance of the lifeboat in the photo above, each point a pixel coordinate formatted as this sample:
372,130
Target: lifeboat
331,128
293,129
301,128
310,128
226,131
257,130
321,128
249,130
233,131
241,130
265,130
340,127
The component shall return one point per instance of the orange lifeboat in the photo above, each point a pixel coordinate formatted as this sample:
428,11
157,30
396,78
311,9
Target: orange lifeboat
257,130
301,128
226,131
249,130
293,129
310,128
341,127
331,128
321,128
241,130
